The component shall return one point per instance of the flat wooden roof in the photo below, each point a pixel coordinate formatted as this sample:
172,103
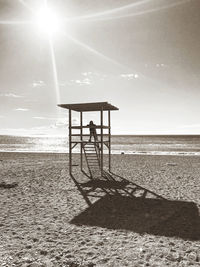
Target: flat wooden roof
95,106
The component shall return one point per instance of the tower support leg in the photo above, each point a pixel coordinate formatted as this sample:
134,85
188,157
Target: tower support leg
109,142
101,141
81,122
70,142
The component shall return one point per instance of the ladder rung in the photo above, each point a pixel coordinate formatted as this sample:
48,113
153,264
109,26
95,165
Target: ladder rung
89,145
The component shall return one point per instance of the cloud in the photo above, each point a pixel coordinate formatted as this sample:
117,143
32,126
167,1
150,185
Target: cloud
21,109
1,116
89,73
94,75
38,84
62,123
89,78
85,78
11,95
75,121
160,65
157,65
59,125
129,76
85,81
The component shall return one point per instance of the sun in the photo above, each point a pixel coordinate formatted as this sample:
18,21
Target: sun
47,21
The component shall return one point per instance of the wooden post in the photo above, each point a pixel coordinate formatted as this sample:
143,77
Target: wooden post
102,141
70,140
81,122
109,142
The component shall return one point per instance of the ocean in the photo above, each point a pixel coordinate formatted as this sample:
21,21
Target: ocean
128,144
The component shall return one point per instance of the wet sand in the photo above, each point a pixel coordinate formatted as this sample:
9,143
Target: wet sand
44,221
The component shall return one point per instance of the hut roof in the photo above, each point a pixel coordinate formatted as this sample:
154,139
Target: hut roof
95,106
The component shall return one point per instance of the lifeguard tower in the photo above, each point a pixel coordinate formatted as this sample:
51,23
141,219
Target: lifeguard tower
99,182
92,149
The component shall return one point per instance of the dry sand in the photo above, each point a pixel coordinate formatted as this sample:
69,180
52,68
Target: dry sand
44,220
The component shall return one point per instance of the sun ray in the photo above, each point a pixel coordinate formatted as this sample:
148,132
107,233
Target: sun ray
101,55
148,11
101,16
54,69
112,11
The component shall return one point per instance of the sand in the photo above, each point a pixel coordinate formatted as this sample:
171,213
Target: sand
44,220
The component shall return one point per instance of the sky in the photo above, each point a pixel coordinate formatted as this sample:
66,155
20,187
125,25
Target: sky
140,55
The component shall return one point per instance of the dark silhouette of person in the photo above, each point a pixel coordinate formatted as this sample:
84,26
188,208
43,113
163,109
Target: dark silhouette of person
93,131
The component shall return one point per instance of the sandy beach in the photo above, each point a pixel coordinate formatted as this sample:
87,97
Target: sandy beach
44,220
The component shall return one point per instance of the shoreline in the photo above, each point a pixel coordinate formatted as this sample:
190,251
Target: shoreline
137,153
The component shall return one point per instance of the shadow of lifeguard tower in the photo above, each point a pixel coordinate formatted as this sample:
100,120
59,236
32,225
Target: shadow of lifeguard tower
97,181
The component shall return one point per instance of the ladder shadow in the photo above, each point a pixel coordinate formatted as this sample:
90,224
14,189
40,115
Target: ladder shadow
112,184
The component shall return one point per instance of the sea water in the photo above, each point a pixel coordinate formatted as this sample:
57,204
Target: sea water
128,144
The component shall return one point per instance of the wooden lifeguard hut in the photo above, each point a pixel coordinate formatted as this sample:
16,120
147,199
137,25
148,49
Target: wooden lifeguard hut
101,183
93,150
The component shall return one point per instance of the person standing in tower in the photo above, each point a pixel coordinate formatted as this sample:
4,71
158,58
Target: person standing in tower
93,132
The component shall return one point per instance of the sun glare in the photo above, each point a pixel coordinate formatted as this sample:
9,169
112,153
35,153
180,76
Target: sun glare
48,21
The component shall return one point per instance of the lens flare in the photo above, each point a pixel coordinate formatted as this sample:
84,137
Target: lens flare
54,69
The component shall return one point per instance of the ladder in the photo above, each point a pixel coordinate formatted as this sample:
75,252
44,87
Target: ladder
92,155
